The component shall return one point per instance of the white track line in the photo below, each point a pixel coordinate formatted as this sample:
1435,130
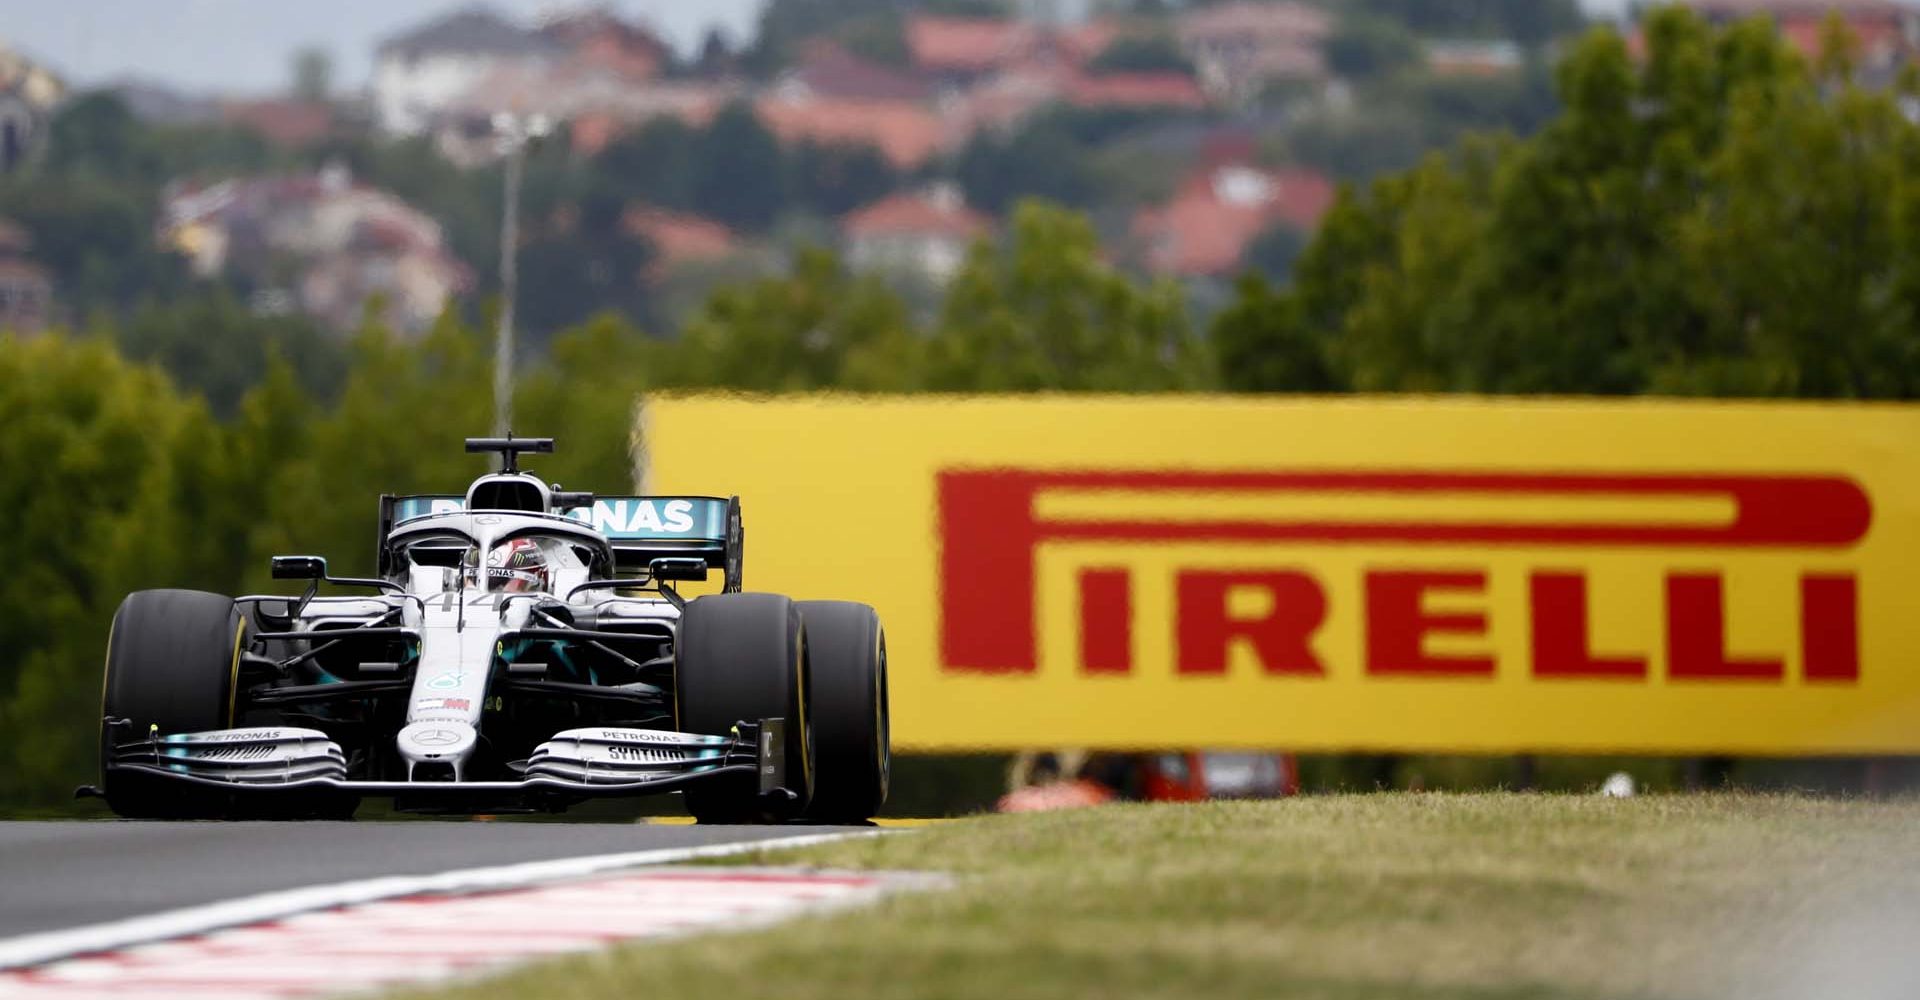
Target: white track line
359,947
37,949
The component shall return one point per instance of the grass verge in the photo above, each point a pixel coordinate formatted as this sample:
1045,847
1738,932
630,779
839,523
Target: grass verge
1475,897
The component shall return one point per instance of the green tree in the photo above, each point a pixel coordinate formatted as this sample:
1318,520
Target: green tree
1275,250
835,178
738,170
209,343
1041,159
396,429
96,450
1151,53
1263,343
1711,218
592,265
1530,22
583,393
1364,47
655,164
1048,312
817,327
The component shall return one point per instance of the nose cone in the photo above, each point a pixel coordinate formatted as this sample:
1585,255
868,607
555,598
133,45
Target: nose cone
436,742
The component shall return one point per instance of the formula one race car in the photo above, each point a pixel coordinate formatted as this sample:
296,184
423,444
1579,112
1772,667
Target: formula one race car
523,648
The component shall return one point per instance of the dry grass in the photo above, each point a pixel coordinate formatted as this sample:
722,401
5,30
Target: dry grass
1390,895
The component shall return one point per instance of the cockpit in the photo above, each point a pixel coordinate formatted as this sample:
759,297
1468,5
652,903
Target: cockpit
524,565
502,553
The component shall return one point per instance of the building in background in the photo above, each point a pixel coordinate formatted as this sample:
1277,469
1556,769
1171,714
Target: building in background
596,37
1238,48
1204,230
959,51
826,69
590,68
317,242
926,234
677,238
417,75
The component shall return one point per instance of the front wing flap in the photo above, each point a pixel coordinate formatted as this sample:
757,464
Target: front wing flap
592,762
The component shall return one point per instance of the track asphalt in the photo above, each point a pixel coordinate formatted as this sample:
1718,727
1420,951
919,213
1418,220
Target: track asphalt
61,874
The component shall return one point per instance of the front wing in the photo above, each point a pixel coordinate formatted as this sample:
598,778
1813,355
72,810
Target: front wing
592,762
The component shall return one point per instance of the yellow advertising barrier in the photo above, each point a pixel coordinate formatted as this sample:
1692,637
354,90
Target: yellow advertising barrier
1370,574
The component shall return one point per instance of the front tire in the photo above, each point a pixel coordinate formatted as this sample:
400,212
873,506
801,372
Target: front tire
173,657
847,652
743,658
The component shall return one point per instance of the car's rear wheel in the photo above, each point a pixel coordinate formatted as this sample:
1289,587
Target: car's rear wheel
743,658
173,657
847,653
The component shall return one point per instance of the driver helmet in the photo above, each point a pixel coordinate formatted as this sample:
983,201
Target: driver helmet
517,566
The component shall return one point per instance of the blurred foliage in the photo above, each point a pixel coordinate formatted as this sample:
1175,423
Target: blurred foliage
1060,155
736,172
584,262
214,346
1714,219
1396,121
1530,22
1047,311
1274,251
1158,52
1363,47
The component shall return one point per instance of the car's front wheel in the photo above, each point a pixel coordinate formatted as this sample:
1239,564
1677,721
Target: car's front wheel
743,658
173,658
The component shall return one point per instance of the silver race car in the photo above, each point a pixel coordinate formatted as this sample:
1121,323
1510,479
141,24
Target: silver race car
519,648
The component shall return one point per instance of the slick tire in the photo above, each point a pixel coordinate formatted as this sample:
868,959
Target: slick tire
743,657
173,657
847,652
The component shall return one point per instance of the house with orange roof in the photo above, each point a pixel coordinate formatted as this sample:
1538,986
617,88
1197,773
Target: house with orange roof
1135,90
907,133
1203,232
597,37
925,233
826,69
677,237
962,50
287,123
1238,47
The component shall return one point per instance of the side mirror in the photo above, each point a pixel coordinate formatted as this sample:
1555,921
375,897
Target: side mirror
677,569
299,568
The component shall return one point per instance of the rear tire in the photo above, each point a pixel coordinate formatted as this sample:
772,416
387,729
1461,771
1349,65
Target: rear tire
743,658
847,652
172,660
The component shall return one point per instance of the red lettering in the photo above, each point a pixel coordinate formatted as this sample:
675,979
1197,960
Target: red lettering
1281,638
1398,624
1106,621
1697,635
988,536
1830,628
1560,638
989,531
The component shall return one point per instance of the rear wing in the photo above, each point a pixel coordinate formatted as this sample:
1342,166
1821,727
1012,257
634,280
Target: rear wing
641,529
